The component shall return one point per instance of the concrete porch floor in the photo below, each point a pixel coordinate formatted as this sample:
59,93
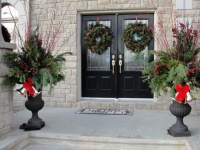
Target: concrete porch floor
142,125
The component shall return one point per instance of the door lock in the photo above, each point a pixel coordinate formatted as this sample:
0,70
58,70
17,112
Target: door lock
113,56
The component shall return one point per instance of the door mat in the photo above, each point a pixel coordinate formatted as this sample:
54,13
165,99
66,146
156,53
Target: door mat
105,111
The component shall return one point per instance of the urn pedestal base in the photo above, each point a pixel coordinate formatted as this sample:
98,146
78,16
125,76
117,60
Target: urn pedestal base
179,129
31,126
180,111
34,104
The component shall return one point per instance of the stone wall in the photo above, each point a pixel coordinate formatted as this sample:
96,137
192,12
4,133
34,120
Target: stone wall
67,93
6,99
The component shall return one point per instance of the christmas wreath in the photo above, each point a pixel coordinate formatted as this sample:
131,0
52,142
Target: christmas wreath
98,38
137,36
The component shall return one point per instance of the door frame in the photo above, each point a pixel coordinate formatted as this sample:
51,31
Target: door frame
79,61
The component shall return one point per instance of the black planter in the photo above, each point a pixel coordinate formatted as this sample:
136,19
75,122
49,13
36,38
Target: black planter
34,104
180,111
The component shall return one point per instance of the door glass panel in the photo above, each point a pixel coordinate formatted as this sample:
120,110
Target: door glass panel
131,62
96,61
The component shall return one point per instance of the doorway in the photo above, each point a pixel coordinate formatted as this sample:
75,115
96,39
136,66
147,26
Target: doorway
117,72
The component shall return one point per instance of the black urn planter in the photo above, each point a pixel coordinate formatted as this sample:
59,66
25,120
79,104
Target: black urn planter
34,104
179,110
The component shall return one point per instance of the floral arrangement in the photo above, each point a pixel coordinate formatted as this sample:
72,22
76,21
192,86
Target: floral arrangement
176,69
98,38
34,66
137,36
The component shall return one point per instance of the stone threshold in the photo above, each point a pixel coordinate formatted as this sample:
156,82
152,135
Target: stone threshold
35,140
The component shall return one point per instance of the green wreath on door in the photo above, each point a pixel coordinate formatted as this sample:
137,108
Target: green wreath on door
137,36
98,38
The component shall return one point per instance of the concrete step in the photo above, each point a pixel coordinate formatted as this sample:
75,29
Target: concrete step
42,141
42,147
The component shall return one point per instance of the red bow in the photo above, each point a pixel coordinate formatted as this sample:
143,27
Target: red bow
28,87
181,92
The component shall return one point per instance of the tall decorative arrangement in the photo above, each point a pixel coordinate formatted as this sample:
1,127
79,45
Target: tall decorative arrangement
177,70
37,63
34,67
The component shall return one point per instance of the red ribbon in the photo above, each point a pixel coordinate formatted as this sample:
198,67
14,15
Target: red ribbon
28,87
181,92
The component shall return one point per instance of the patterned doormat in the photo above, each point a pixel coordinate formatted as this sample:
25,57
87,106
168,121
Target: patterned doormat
105,111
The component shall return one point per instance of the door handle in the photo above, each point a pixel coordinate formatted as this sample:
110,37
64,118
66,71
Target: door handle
120,63
120,66
113,66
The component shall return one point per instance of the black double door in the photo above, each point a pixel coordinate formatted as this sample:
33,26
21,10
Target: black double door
117,72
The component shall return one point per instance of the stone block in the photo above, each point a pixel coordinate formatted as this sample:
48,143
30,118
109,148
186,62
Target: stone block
71,97
124,106
74,72
124,1
67,91
78,105
92,4
5,130
64,104
94,105
59,95
71,64
112,6
6,109
164,11
1,109
47,93
149,3
96,7
5,95
5,88
68,72
70,80
73,89
74,105
6,102
3,70
165,3
114,105
7,118
60,99
104,105
1,125
47,99
130,6
61,85
103,2
73,50
50,104
84,104
62,91
19,103
71,58
81,5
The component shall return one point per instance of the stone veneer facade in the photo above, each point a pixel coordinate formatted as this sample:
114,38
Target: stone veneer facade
6,97
68,92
